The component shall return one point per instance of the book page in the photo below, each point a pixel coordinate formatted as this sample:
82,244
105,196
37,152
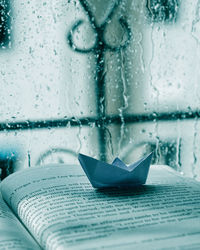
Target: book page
12,234
63,211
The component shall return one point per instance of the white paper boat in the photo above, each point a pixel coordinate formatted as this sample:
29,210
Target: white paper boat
117,174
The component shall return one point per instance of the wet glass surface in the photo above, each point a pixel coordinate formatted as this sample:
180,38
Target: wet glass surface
104,78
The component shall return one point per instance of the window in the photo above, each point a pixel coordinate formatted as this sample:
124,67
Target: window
104,78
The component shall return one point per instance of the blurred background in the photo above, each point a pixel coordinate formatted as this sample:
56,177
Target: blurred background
104,78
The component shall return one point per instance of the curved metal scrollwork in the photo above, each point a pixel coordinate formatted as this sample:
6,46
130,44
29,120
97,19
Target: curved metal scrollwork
99,47
52,152
100,40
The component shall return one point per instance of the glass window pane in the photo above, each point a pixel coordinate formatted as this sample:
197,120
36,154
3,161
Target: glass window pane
105,78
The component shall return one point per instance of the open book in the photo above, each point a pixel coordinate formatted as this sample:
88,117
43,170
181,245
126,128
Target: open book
55,207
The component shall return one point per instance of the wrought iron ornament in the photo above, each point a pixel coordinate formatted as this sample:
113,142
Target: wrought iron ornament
99,48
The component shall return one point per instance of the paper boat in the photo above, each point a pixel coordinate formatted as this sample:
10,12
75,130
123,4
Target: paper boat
117,174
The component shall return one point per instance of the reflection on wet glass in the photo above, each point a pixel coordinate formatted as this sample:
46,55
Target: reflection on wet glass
105,78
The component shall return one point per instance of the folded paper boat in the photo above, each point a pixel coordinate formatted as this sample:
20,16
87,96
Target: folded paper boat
117,174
